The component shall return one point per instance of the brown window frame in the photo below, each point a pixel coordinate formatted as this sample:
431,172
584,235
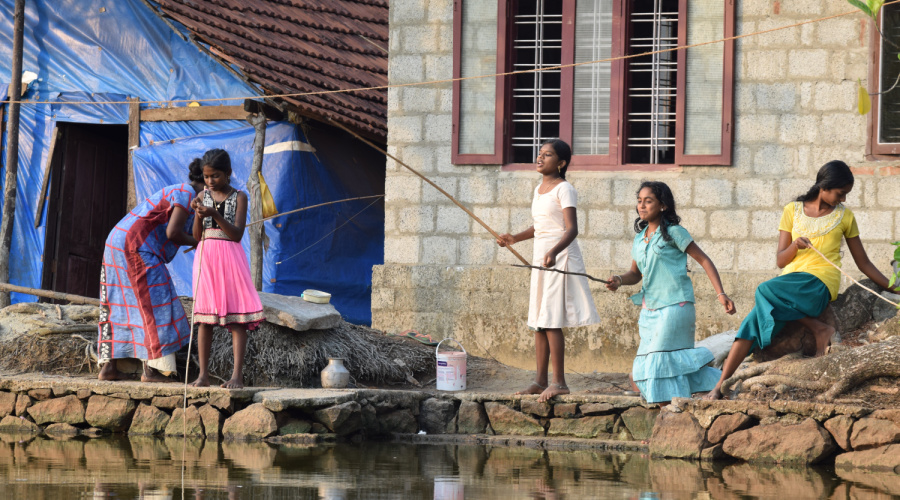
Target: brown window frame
875,150
614,160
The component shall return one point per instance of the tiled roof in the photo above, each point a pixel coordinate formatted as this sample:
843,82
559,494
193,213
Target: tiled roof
295,46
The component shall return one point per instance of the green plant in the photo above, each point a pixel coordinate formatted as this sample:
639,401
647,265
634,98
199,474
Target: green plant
895,276
871,9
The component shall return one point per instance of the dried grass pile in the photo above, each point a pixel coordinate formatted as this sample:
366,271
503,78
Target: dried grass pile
49,338
281,357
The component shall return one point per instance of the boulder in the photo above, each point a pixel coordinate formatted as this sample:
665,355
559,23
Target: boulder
884,458
253,422
881,310
677,435
505,420
212,421
640,421
18,425
854,306
724,425
84,393
399,421
298,314
873,432
61,430
185,423
7,403
565,410
40,394
532,407
295,426
148,420
168,402
587,427
471,419
437,416
23,402
68,410
840,427
109,413
341,419
803,443
592,409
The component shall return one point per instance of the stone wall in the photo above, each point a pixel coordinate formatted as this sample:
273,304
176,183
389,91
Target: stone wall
794,110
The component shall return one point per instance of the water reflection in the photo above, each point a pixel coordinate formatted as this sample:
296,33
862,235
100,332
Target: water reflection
151,468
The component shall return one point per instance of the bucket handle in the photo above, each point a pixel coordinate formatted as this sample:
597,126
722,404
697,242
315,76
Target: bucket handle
446,339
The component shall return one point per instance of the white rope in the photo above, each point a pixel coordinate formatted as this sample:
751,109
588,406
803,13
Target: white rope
853,280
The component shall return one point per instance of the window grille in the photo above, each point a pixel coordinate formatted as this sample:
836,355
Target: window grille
652,80
537,43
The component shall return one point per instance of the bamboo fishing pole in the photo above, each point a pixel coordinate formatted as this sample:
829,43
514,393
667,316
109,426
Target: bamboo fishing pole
316,206
426,179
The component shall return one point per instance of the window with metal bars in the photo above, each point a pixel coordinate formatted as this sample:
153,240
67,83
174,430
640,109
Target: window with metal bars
884,119
648,112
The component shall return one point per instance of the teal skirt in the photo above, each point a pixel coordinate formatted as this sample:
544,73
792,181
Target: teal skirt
786,298
667,364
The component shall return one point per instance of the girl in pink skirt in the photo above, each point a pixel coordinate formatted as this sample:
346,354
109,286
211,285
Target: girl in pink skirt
224,294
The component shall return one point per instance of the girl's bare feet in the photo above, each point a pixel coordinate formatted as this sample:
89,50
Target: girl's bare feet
202,381
552,390
823,338
110,372
534,388
233,384
714,395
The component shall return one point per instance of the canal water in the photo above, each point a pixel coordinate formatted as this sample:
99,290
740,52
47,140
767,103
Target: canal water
156,468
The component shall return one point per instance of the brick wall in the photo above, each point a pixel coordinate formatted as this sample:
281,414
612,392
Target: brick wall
795,101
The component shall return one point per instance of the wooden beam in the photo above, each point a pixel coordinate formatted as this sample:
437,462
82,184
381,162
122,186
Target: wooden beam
37,292
42,197
271,112
254,190
197,113
134,140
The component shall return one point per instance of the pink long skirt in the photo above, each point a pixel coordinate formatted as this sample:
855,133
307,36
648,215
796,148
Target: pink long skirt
223,289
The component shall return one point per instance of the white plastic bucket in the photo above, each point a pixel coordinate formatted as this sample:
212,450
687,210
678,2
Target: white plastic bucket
451,368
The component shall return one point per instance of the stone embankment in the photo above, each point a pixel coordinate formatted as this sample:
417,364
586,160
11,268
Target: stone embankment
778,431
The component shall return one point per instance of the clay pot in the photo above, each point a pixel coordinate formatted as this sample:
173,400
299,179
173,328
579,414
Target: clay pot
335,375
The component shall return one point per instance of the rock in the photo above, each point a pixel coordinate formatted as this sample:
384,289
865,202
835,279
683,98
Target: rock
60,391
621,432
640,421
61,430
221,400
532,407
884,458
23,402
318,428
587,427
83,393
565,410
18,425
109,413
591,409
840,427
341,419
40,394
437,416
796,337
471,419
148,420
724,425
298,314
7,403
399,421
873,432
253,422
68,410
168,402
185,423
295,426
804,443
677,435
505,420
92,432
714,452
881,310
893,415
212,421
854,307
885,330
719,345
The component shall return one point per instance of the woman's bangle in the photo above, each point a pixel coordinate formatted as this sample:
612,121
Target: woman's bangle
620,278
723,293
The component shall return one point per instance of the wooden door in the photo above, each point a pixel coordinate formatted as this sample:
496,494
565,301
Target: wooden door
87,199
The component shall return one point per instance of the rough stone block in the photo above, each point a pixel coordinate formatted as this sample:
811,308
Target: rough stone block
565,410
15,425
167,402
587,427
7,403
505,420
803,443
640,421
677,435
437,416
881,459
257,422
40,394
532,407
295,426
69,410
185,423
109,413
400,421
873,432
148,420
471,419
61,430
592,409
212,420
724,425
840,427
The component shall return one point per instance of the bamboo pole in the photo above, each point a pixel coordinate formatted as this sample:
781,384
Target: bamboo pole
12,151
48,294
316,206
258,121
426,179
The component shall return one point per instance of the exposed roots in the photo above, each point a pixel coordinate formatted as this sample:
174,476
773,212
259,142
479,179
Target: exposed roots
833,374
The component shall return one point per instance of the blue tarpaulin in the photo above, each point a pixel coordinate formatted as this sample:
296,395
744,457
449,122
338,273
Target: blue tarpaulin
89,51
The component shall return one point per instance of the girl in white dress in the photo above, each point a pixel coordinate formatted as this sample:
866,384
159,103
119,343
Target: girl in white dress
557,300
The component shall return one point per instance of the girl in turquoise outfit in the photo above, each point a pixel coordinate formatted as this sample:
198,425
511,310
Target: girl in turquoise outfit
667,363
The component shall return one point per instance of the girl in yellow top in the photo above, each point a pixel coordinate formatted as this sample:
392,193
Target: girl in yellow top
816,219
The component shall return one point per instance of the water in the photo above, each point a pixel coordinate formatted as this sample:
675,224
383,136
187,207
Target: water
151,468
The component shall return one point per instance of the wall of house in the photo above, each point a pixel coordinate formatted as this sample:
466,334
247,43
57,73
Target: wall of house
795,101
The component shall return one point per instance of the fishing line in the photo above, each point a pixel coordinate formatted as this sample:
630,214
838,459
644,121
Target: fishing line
332,232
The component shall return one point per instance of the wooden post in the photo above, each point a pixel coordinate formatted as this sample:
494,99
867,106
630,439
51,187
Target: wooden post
134,140
39,203
258,121
12,149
